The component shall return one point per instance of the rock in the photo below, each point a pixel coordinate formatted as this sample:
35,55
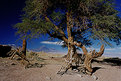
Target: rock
76,70
94,77
4,49
48,78
79,75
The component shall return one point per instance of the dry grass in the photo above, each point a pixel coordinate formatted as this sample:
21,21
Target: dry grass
45,58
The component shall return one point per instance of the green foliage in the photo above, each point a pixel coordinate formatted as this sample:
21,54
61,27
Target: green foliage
91,20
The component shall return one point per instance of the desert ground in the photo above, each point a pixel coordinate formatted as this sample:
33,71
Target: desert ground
105,69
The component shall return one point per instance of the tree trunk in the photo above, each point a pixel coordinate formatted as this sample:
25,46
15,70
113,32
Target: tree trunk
24,47
87,63
89,56
70,38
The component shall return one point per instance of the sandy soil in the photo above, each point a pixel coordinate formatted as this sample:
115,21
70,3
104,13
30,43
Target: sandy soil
12,70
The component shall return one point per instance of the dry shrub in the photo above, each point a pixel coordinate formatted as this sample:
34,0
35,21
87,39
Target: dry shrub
34,56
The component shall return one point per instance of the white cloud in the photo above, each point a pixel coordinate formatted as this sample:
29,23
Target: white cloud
11,44
55,43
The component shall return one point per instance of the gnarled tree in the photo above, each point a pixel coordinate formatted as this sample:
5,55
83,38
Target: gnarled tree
76,22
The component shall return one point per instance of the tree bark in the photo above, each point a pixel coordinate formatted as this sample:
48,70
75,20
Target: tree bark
24,47
70,37
89,56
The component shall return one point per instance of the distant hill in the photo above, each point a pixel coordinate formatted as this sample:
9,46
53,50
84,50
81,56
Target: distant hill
44,49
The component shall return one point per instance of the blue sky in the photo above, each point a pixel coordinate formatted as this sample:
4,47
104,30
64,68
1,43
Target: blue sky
10,15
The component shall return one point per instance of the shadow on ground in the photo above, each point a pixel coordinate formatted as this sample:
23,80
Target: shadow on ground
110,61
95,69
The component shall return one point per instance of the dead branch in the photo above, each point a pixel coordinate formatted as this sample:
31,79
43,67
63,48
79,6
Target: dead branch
89,56
18,52
98,54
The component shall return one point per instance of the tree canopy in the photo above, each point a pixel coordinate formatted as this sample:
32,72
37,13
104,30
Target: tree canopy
87,20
